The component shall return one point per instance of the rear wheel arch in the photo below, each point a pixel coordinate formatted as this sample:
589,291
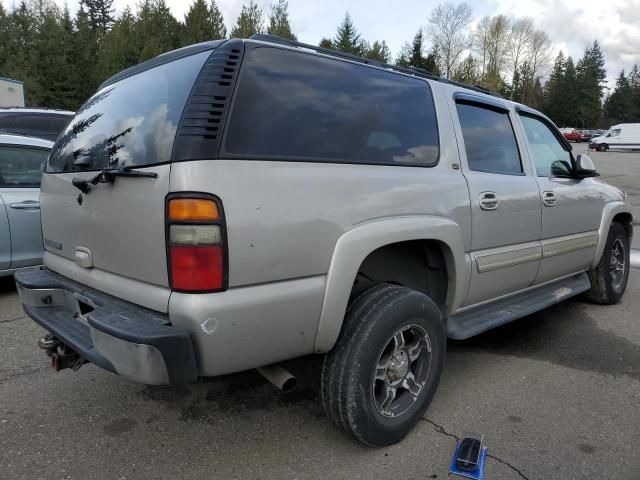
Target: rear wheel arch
422,265
408,235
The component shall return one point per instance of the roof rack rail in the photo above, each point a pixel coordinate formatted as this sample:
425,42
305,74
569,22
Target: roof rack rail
419,72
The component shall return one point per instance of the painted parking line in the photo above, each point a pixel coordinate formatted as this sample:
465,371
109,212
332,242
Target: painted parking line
635,258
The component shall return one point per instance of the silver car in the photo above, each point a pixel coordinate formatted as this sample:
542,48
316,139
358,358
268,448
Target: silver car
238,203
21,163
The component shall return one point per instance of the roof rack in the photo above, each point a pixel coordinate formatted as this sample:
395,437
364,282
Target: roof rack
418,72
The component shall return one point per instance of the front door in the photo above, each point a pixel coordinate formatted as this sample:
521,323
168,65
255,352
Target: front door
505,202
20,172
571,209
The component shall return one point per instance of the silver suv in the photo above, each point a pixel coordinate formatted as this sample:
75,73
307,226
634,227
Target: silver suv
238,203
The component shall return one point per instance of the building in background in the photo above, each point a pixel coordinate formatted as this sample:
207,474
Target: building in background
11,93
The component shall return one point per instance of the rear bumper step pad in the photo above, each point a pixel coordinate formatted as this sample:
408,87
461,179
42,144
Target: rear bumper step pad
118,336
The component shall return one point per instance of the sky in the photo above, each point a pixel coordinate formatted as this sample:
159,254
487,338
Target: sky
571,24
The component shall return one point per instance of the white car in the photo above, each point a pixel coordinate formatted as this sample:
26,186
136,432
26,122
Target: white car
624,136
21,163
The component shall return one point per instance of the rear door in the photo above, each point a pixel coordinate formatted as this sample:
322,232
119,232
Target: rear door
571,210
20,173
505,201
112,237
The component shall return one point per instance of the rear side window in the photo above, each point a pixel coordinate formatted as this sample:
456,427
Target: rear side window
130,123
33,123
489,139
58,122
7,121
21,166
301,106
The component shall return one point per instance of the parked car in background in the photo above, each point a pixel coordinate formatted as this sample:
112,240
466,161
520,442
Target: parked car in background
234,204
585,135
571,134
21,163
625,136
34,122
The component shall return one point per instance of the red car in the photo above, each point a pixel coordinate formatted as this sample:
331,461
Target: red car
571,134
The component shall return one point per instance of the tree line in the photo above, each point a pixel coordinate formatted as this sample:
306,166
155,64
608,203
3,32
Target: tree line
63,58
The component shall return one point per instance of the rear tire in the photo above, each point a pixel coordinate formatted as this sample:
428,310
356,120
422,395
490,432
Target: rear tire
393,340
609,278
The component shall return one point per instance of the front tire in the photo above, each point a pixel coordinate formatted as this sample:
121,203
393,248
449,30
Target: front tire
602,147
609,278
380,377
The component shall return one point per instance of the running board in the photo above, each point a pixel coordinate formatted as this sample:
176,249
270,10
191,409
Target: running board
485,317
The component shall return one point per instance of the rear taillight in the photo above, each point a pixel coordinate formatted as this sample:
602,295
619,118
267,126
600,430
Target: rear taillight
196,243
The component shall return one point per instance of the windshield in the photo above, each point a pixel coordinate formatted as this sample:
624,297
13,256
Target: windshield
131,123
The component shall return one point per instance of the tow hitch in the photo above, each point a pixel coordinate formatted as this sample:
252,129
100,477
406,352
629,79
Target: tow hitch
61,355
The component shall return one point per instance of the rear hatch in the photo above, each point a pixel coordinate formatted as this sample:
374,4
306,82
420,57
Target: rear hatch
111,236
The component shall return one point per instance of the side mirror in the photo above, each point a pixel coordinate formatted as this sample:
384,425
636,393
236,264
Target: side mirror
584,167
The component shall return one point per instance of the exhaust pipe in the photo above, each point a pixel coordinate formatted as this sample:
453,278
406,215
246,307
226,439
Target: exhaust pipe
279,377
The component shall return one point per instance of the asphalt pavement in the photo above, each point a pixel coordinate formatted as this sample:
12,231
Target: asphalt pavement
556,396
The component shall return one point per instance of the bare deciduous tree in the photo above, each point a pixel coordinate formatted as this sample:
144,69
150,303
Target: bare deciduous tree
520,37
448,28
538,57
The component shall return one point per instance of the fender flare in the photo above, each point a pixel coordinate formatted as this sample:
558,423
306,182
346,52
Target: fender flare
610,210
356,244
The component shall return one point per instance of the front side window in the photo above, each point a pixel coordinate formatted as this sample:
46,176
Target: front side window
544,146
489,139
21,166
301,106
614,133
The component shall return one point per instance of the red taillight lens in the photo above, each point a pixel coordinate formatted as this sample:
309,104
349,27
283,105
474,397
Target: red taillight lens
196,244
197,268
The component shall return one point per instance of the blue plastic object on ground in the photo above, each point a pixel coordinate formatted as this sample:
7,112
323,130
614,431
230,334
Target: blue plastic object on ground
477,474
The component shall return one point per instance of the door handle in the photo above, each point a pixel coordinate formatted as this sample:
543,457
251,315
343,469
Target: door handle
488,201
549,199
26,205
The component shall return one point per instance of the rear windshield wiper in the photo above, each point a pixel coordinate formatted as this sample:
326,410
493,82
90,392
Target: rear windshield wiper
108,175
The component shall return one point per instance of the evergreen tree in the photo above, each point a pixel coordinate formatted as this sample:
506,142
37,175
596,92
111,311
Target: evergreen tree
279,21
84,44
467,71
326,43
157,27
202,23
249,22
120,48
348,39
552,104
379,51
590,82
100,13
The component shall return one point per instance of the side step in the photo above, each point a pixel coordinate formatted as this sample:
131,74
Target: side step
485,317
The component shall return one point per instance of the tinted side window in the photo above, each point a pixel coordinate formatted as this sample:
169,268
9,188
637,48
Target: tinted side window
300,106
489,140
58,122
6,121
33,123
21,166
544,146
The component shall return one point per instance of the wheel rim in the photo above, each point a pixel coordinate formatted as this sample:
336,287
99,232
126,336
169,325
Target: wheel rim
402,370
617,264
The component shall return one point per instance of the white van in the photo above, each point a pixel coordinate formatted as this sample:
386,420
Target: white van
624,136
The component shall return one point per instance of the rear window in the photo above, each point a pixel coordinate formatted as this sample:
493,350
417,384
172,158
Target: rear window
300,106
130,123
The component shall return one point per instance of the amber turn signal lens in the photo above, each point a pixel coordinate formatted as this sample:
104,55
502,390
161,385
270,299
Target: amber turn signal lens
193,209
